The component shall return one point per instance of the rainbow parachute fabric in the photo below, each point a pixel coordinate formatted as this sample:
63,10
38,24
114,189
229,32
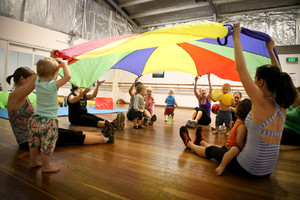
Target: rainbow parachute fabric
194,48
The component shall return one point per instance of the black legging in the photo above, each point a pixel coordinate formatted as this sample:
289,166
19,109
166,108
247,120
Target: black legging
85,120
65,137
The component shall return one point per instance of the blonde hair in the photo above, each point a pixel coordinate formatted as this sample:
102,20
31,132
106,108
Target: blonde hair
171,92
46,67
149,89
139,88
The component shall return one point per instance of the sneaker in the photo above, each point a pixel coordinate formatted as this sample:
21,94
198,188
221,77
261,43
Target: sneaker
194,124
106,126
140,127
198,136
114,123
136,127
184,134
153,118
109,132
188,123
145,121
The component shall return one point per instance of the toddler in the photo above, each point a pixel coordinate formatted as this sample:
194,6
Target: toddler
237,138
150,101
224,112
171,103
43,125
139,106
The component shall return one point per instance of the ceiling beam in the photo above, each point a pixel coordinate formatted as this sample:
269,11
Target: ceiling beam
115,6
177,21
167,10
260,10
133,3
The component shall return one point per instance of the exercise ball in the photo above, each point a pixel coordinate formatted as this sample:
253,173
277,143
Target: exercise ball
216,94
215,108
227,99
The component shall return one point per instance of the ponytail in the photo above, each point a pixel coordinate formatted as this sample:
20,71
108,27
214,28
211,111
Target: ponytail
8,79
279,83
21,71
286,91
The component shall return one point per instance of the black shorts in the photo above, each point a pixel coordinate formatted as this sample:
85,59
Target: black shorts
137,114
205,119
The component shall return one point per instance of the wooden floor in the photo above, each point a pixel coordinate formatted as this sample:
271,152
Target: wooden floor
143,164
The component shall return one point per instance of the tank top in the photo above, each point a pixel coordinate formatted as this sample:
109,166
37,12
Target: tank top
78,108
19,121
231,140
206,106
259,157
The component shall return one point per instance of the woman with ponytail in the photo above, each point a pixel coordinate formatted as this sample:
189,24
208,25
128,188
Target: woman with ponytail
20,110
271,93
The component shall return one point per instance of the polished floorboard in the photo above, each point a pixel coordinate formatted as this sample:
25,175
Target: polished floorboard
151,163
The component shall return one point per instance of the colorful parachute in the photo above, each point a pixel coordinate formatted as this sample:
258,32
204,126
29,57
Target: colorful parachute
194,48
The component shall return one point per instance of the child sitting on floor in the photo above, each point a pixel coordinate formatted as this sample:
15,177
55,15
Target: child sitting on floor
171,103
237,138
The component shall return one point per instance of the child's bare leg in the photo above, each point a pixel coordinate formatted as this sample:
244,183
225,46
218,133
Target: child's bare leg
135,121
216,131
166,118
33,153
47,168
227,130
228,156
139,122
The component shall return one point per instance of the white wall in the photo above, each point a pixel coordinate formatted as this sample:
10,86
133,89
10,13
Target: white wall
291,67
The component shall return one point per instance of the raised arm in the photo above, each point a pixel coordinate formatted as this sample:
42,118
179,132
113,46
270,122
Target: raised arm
73,99
67,74
251,89
131,93
270,47
17,97
91,96
210,88
196,92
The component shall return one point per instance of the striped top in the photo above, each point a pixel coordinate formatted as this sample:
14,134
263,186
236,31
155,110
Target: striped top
259,157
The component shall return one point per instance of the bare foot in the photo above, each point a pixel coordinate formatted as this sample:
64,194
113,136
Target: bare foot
50,169
35,164
219,170
227,133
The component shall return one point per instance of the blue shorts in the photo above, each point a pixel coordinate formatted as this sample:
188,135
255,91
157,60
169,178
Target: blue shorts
223,117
